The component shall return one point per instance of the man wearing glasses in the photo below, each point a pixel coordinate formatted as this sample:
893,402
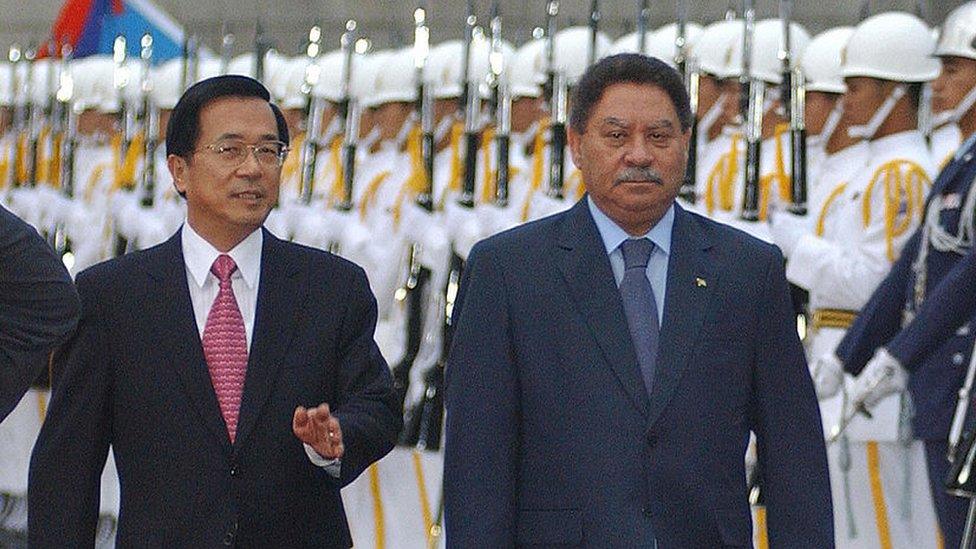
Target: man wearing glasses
234,375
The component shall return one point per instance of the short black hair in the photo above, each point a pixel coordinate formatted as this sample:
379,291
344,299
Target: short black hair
632,68
183,128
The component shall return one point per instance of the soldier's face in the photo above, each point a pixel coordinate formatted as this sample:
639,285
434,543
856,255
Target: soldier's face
863,98
818,107
709,92
525,111
632,154
227,202
389,118
957,78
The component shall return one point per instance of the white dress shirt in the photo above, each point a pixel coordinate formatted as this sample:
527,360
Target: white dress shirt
198,256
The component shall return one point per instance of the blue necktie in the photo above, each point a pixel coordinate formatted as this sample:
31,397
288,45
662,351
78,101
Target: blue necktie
640,305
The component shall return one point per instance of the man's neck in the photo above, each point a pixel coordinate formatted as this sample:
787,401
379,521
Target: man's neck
222,240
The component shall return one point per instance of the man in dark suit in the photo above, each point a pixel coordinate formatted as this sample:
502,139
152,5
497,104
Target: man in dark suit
206,362
610,361
38,307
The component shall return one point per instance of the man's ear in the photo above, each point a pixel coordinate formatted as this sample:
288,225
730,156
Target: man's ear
177,168
575,140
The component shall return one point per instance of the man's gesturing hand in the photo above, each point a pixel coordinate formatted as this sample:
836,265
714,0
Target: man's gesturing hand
318,428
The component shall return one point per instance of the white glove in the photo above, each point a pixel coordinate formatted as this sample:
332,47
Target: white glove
828,376
786,230
882,376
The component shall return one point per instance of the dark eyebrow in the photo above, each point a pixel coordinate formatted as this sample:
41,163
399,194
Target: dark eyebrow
616,122
663,123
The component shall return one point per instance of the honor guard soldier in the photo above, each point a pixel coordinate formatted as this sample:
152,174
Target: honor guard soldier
574,47
719,142
833,156
881,496
916,329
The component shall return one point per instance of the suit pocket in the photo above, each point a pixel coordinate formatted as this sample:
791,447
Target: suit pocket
550,527
735,528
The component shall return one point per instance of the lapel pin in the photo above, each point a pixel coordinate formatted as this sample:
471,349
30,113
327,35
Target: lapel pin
700,282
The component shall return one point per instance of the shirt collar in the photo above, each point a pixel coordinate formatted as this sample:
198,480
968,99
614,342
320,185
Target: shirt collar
199,255
613,236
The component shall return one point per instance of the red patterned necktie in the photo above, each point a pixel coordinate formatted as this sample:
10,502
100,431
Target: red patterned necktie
225,345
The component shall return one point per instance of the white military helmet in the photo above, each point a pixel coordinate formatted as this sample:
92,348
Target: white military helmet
629,43
41,80
287,81
821,60
6,86
395,81
891,46
662,43
713,48
444,65
572,53
330,67
94,85
166,83
958,37
526,73
766,44
243,65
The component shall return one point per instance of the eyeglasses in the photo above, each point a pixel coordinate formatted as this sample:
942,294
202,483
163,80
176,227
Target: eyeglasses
233,152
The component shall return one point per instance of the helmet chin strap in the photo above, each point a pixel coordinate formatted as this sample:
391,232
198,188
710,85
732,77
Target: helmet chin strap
829,127
868,130
955,114
711,115
404,132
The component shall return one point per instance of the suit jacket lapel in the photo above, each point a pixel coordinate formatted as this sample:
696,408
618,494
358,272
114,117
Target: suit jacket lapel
280,299
176,314
691,278
586,268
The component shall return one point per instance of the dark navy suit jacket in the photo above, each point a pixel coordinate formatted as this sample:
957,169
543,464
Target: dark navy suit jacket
38,307
936,345
552,439
134,376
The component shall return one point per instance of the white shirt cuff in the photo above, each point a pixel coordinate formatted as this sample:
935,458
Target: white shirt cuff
331,466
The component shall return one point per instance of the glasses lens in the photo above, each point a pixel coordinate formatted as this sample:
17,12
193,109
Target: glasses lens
234,152
269,153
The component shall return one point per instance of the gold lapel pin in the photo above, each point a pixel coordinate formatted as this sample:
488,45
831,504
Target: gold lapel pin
701,282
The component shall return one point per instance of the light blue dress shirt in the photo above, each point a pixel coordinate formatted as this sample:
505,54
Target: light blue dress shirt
657,267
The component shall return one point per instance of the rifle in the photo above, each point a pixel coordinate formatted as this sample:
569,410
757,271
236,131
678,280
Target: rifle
418,276
424,429
262,44
552,11
751,102
67,142
348,112
313,115
643,15
793,92
691,78
150,124
120,77
594,30
557,139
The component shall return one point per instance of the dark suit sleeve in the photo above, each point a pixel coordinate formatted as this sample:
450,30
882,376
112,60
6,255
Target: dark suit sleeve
38,306
946,308
786,420
482,444
880,319
68,458
366,406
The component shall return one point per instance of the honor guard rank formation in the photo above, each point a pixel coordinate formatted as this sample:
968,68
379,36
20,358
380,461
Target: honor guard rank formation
391,275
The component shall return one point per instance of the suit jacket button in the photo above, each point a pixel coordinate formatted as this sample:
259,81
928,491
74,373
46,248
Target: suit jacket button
233,471
229,539
957,359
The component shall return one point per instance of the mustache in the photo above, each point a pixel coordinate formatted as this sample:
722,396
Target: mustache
643,174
